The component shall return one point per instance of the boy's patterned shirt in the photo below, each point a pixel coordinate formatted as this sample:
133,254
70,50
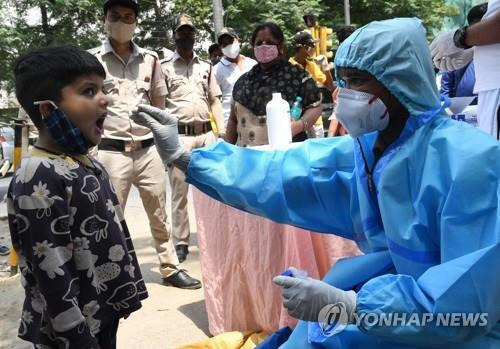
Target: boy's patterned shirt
78,265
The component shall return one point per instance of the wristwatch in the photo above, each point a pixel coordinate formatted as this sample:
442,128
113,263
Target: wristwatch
459,38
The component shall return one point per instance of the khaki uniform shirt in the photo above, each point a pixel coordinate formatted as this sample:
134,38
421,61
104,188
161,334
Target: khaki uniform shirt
190,86
129,84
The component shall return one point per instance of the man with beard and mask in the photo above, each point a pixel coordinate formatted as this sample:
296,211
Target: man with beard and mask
134,76
231,66
192,94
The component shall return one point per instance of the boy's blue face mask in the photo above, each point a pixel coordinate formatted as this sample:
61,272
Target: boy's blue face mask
63,131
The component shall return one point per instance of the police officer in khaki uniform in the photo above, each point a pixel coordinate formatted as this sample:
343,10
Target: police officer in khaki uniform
192,93
134,76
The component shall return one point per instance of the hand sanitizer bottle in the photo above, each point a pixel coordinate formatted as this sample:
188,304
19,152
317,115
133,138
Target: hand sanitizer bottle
279,130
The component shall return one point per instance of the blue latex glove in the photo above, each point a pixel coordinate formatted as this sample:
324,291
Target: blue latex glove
304,298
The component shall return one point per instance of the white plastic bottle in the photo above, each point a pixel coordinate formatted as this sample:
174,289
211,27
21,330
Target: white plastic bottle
279,130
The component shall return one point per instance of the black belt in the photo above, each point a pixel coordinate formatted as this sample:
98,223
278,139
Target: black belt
119,145
194,130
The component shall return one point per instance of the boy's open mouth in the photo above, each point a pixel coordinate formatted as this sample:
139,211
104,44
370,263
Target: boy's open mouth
100,123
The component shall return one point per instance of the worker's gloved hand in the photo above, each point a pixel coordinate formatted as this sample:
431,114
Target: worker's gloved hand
164,128
443,45
454,61
305,297
323,62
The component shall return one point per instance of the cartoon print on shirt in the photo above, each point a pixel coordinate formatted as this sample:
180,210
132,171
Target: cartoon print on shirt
22,223
121,295
104,273
55,257
24,266
72,292
28,168
89,310
60,225
37,301
85,260
90,188
39,200
26,319
62,321
117,212
129,268
95,225
64,168
116,253
48,330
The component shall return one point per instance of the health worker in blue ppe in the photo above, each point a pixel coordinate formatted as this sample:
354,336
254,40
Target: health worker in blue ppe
417,191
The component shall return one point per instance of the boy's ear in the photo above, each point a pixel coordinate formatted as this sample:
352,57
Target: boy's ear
45,109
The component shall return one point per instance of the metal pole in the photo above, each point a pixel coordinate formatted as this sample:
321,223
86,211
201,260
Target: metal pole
19,125
347,12
218,21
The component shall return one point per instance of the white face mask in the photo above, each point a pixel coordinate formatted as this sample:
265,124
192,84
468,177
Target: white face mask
232,51
121,32
361,112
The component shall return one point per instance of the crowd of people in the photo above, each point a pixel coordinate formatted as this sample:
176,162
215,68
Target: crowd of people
416,191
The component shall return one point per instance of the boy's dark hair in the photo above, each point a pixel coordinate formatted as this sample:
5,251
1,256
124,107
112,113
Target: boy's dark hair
273,28
344,32
42,74
476,13
212,48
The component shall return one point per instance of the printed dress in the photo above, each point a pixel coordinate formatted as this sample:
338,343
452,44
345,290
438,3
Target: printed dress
76,257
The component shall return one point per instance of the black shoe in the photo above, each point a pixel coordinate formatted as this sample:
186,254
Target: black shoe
182,252
182,280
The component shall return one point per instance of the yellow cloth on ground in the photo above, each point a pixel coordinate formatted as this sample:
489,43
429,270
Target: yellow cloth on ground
230,340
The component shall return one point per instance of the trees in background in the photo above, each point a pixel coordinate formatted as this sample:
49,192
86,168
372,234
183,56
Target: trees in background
29,24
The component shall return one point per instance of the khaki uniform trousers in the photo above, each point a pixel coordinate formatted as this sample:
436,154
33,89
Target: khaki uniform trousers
144,169
180,218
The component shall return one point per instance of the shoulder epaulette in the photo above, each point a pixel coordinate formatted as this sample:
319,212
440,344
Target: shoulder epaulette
95,50
150,52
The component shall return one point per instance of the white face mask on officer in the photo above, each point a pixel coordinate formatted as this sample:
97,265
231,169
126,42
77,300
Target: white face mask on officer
361,112
121,32
232,51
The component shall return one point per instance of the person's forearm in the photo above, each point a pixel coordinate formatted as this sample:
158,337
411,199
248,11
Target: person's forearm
486,32
329,81
216,108
311,115
308,119
231,129
158,101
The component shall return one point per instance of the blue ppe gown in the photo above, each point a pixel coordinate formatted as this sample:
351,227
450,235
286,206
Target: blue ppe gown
426,214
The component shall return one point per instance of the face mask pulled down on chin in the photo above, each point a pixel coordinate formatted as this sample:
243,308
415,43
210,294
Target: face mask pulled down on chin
119,31
360,112
63,131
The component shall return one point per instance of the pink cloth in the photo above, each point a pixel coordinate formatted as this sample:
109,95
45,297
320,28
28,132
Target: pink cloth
241,253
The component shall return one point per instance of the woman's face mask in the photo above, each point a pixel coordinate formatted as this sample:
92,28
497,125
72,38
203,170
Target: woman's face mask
63,131
232,51
119,31
361,112
266,53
